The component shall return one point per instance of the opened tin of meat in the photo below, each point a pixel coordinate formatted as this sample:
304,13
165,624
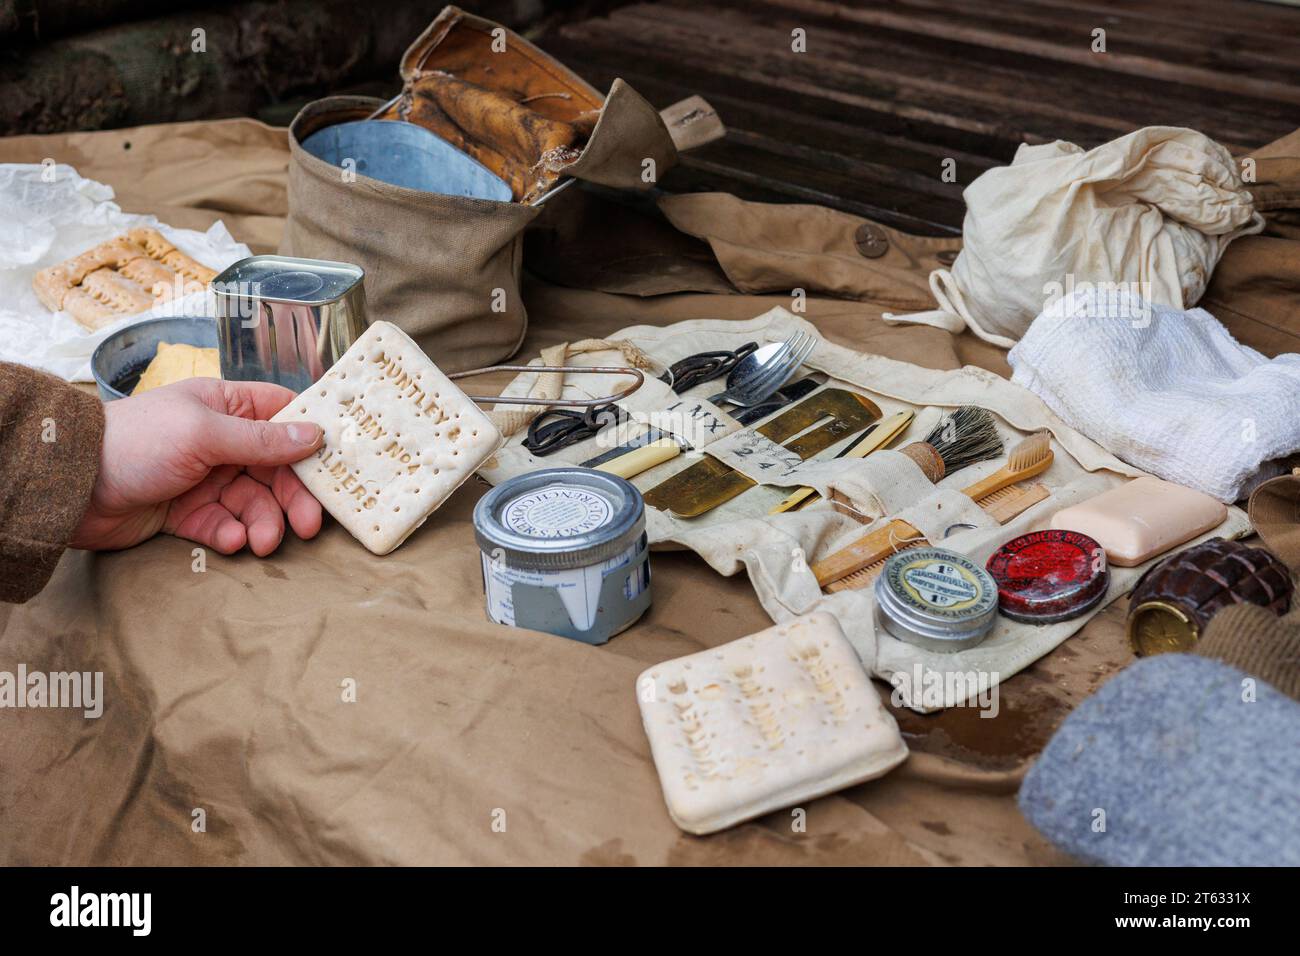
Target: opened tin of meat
564,551
936,599
287,320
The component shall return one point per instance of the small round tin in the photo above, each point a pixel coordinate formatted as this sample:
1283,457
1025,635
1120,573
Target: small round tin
564,551
1049,576
936,599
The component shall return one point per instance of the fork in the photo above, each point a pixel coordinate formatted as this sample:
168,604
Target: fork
760,374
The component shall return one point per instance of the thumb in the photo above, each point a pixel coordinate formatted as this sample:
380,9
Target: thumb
229,440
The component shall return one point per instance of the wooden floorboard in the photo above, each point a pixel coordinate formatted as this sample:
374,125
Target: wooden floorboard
887,91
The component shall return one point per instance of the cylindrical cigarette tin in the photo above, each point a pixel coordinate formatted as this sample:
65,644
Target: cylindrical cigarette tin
936,599
287,320
1049,576
564,551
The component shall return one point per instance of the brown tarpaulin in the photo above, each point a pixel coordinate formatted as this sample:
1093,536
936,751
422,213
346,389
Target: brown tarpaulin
224,688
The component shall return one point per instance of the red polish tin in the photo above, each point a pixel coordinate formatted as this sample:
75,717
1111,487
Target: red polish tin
1049,576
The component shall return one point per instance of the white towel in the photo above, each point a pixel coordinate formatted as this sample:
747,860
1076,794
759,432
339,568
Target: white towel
1169,391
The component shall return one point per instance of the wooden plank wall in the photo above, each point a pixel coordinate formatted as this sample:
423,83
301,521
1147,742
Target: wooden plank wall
886,91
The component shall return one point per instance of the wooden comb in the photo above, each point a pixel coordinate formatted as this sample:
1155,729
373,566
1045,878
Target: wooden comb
1031,457
1002,506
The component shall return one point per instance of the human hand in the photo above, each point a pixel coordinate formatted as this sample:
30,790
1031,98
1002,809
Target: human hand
198,459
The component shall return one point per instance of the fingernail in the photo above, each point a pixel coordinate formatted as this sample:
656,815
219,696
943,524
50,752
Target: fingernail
304,433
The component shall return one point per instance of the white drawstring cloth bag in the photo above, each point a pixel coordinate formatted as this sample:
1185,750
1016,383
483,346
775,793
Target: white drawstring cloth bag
1150,212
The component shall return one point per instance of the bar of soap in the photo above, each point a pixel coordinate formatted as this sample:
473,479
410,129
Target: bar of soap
400,437
768,721
1143,518
175,363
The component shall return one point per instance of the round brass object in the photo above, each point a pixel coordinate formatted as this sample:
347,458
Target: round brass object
1156,627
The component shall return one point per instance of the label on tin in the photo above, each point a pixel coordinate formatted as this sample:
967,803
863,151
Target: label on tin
560,511
577,588
940,584
1049,575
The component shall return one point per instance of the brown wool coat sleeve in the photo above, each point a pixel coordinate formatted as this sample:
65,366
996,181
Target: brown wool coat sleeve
50,438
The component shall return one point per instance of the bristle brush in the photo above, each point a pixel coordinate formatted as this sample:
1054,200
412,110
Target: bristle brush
964,438
1031,456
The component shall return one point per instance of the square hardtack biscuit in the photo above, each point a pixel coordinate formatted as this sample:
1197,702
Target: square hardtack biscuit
765,722
400,437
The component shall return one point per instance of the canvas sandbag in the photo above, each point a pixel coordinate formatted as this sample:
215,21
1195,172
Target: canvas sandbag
446,268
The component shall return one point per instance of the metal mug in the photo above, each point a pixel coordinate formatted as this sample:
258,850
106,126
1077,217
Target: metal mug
406,155
287,320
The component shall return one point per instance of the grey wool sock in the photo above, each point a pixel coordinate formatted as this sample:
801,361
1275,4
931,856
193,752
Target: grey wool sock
1178,761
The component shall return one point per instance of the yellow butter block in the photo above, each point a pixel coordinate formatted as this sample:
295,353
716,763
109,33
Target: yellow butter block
174,363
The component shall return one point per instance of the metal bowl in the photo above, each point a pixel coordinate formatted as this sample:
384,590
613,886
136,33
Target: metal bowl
121,359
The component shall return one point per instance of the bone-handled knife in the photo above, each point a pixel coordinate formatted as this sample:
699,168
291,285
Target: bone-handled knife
654,446
873,439
632,463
